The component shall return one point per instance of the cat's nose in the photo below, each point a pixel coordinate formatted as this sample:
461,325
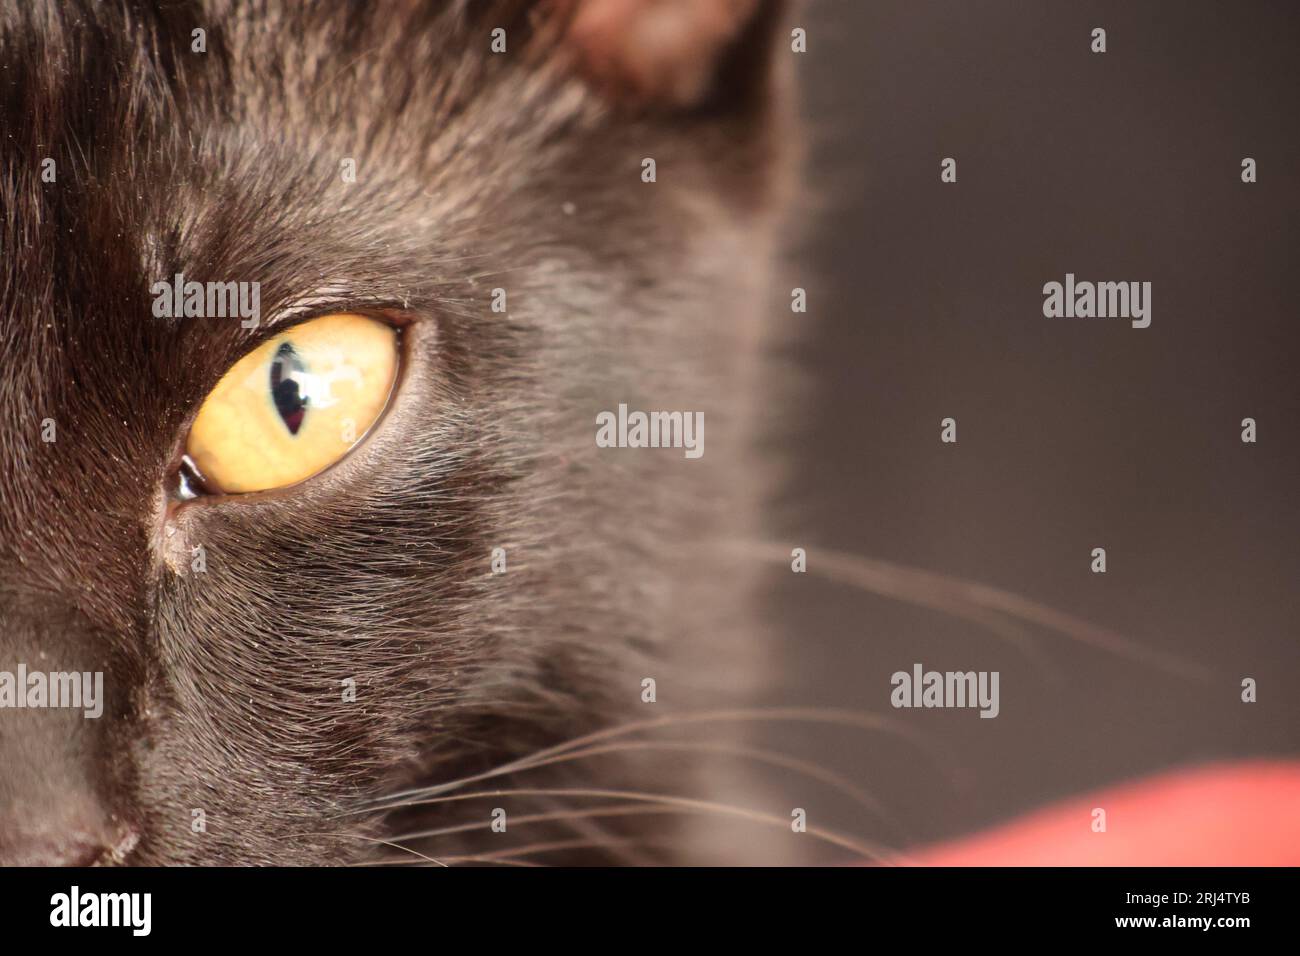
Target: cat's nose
64,838
50,811
56,763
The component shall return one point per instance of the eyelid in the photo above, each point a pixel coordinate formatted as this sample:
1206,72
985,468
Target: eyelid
396,314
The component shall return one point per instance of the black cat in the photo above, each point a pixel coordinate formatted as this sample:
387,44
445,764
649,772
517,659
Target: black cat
298,675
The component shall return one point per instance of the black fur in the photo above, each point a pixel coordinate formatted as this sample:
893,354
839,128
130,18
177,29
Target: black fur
224,687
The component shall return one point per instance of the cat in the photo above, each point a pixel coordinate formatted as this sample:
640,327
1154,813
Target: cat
346,655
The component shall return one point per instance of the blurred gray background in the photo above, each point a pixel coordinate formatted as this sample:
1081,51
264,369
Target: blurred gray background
926,302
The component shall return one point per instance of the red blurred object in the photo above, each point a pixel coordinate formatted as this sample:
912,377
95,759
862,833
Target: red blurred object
1241,814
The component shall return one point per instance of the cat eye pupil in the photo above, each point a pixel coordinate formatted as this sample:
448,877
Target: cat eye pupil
285,387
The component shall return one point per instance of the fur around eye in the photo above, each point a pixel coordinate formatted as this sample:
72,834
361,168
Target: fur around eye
295,405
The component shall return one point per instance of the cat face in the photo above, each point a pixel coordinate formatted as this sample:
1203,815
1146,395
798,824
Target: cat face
275,660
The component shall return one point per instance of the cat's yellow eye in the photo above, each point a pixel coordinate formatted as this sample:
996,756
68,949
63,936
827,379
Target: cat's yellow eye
295,405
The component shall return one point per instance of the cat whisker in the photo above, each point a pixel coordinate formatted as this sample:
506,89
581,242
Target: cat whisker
382,842
575,818
452,861
967,599
555,846
477,859
831,716
867,851
773,758
596,829
557,816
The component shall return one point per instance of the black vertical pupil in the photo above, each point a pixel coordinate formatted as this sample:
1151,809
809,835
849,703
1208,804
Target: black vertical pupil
285,392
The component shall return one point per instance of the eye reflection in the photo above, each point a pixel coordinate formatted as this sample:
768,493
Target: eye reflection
286,371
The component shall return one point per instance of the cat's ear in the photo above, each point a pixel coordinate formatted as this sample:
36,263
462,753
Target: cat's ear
673,54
